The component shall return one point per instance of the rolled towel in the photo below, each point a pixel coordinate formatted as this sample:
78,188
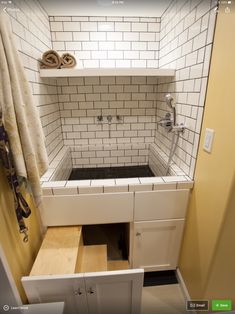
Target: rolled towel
51,60
68,61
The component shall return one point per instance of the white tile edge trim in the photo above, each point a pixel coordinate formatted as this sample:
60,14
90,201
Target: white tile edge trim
49,187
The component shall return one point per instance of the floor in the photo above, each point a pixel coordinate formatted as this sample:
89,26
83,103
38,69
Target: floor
164,299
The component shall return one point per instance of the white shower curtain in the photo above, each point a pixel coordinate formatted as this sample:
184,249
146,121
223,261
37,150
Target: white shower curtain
21,117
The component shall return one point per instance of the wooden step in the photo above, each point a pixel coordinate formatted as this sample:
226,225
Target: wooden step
92,259
118,265
59,251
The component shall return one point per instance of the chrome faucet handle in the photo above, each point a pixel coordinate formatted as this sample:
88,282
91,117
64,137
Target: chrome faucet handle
100,118
119,118
179,128
90,290
78,292
168,115
167,123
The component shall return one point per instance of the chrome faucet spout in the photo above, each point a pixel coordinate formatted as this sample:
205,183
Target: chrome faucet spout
109,118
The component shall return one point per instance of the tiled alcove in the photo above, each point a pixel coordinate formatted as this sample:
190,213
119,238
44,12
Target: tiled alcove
181,39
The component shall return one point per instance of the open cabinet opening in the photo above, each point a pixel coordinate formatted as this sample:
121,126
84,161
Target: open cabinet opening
108,240
115,236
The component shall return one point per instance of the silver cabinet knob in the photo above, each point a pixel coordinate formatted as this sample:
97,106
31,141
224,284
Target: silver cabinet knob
138,234
91,291
78,292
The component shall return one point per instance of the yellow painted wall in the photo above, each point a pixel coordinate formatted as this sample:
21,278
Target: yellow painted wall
207,261
221,283
20,255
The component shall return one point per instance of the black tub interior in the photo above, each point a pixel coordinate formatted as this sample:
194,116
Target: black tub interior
111,173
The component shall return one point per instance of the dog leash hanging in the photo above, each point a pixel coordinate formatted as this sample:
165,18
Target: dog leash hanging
22,209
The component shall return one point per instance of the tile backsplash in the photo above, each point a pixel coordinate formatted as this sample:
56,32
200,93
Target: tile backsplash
109,155
108,41
130,101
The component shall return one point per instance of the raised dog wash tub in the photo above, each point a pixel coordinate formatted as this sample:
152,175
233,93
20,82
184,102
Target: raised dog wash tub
122,168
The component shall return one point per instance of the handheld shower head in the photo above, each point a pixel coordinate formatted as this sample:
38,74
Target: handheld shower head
170,104
169,101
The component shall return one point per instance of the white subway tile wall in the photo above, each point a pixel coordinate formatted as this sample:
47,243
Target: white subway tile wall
62,172
69,107
186,37
157,161
130,101
108,41
110,155
60,168
31,29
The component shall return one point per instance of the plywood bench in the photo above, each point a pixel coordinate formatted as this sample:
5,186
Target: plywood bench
62,252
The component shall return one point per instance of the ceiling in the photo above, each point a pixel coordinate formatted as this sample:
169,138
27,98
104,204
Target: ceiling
145,8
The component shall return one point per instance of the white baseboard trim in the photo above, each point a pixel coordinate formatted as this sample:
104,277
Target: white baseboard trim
183,285
183,288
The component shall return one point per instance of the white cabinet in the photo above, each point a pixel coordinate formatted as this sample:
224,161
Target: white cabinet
157,243
94,293
158,228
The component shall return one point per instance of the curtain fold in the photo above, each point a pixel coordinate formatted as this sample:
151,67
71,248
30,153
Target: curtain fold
21,118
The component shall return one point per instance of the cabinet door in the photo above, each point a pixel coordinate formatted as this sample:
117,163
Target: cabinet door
114,291
67,288
157,244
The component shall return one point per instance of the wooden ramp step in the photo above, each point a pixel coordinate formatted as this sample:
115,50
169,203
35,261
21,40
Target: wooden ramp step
59,251
93,258
118,265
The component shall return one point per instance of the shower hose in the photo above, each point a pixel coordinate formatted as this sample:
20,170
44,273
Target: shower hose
174,143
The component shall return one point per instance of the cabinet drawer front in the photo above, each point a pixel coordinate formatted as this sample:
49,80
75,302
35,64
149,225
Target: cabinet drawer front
160,205
87,209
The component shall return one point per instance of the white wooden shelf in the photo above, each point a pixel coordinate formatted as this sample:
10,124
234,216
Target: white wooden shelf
106,72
